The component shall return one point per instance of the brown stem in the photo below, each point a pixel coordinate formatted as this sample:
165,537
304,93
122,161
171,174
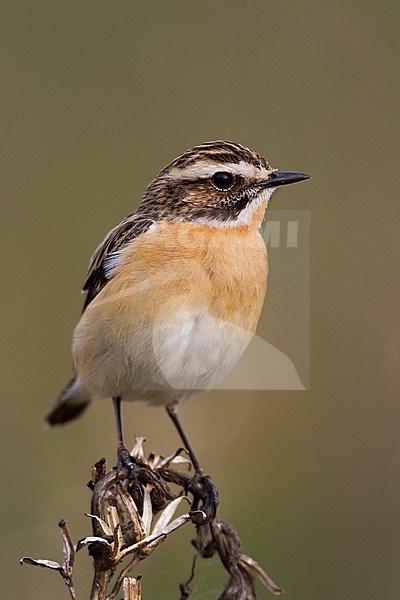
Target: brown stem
125,571
100,582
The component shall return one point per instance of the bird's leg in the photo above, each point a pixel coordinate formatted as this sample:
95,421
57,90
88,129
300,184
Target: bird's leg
124,457
208,491
118,419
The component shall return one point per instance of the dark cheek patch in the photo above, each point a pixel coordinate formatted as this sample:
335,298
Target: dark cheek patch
193,200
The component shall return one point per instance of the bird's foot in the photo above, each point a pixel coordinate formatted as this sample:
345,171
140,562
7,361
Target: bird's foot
204,490
132,464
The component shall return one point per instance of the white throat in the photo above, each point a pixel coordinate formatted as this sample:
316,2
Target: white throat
245,216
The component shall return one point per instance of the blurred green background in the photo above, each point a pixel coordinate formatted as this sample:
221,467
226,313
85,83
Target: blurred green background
97,96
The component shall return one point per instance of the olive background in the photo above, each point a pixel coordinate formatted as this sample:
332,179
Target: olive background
97,96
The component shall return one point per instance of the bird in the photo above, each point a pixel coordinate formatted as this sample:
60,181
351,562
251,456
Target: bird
175,291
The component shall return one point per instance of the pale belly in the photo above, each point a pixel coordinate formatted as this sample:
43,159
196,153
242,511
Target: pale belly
164,363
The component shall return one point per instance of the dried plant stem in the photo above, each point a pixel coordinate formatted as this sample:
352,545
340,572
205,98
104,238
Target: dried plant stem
132,588
100,583
120,579
125,504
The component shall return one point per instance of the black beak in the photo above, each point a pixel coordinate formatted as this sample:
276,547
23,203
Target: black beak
283,178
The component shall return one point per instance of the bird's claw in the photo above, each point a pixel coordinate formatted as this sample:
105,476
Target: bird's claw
203,488
125,459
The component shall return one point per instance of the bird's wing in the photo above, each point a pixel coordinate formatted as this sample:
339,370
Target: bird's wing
99,271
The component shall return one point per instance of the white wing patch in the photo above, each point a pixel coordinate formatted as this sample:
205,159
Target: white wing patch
115,258
111,262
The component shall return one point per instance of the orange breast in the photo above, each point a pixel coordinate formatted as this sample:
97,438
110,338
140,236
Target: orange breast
223,268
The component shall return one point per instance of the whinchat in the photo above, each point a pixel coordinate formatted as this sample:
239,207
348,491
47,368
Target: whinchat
174,292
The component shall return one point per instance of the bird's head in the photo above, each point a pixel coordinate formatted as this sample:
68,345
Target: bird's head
222,184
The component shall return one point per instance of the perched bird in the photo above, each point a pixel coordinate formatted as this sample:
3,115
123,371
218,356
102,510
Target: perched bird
175,291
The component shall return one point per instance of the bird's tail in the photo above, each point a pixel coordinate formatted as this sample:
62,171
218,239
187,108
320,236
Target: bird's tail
72,401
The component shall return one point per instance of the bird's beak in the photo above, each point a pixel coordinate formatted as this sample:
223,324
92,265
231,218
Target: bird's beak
283,178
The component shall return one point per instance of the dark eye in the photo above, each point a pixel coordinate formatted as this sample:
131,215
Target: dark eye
222,180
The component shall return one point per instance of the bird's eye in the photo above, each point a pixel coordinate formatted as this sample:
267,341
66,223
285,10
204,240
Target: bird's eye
222,180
